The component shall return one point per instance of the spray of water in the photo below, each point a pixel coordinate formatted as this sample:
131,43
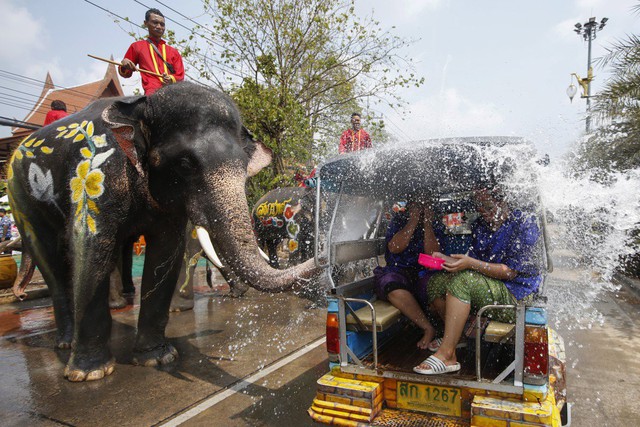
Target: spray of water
591,224
590,221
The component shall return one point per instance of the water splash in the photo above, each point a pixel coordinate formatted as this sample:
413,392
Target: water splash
590,220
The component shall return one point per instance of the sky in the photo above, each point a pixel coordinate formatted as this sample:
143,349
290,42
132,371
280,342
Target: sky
491,67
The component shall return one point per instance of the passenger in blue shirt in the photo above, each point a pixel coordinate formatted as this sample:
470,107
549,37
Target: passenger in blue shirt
500,268
403,281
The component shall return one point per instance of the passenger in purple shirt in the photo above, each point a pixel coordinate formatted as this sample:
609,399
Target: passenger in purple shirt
500,268
401,281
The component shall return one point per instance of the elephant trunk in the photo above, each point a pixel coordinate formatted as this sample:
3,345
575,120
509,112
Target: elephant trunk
228,223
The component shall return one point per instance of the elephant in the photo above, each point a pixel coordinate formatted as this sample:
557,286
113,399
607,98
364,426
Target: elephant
85,185
286,213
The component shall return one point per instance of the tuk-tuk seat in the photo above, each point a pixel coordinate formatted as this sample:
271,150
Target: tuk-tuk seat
386,315
498,332
355,250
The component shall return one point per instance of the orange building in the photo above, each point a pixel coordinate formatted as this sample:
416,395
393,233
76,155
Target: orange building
76,98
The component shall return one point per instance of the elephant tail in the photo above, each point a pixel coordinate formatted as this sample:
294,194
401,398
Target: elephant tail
27,267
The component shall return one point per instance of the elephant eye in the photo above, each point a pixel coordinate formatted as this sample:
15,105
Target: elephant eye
186,166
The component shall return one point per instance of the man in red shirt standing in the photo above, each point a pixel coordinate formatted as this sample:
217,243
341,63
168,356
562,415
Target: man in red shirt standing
153,54
354,139
58,111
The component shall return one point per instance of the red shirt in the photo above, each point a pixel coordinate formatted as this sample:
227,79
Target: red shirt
54,115
142,54
352,140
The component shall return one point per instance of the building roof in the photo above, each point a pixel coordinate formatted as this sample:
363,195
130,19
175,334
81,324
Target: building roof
76,98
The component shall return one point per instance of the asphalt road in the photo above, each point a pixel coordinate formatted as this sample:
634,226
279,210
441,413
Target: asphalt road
254,361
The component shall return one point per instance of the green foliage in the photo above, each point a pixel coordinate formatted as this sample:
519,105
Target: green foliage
298,69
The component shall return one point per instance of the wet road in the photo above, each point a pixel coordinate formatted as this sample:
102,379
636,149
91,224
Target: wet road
223,342
254,361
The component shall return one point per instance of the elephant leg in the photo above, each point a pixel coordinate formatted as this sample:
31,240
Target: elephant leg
163,260
209,274
237,286
126,264
183,296
56,274
272,250
90,357
116,298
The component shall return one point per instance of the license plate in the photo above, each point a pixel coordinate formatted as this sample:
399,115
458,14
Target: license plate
429,398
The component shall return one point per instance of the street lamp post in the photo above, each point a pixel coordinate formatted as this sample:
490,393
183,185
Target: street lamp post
588,31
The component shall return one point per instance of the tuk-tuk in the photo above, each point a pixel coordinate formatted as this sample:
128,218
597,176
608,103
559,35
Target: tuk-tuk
511,374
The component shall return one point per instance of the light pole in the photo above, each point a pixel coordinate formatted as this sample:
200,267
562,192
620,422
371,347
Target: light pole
588,32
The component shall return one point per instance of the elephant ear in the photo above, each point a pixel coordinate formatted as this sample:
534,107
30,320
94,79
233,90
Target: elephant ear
259,154
125,118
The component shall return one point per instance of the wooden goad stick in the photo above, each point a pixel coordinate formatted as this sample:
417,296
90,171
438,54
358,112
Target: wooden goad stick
142,70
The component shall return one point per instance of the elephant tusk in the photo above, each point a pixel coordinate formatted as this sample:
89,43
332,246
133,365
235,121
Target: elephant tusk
265,256
207,246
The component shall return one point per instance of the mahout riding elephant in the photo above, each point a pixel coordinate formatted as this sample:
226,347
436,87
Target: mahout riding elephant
83,186
286,213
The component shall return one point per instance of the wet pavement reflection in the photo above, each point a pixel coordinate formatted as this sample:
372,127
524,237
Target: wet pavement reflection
220,341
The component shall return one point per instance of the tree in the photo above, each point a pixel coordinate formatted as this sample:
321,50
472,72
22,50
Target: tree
297,68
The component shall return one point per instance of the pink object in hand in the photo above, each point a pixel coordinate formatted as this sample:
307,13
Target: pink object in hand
430,261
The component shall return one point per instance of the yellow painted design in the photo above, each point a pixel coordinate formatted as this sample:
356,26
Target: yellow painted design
72,133
86,153
28,146
92,206
91,224
86,182
76,129
268,209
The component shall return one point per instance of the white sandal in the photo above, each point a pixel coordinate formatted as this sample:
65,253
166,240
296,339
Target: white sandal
436,366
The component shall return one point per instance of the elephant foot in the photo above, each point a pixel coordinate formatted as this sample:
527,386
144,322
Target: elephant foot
238,289
117,302
181,304
161,355
64,339
75,374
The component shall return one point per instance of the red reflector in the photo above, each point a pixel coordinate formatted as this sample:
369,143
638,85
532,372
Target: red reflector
536,352
333,337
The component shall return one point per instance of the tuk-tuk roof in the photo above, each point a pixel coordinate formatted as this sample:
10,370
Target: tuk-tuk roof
435,166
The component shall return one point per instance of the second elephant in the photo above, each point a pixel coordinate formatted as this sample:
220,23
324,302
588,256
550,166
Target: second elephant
286,213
